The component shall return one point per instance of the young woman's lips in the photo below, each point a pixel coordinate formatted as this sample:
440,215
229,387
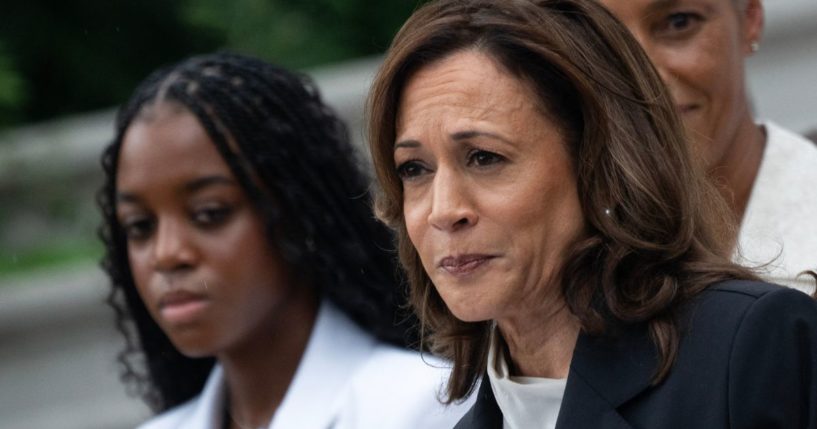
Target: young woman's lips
464,265
179,307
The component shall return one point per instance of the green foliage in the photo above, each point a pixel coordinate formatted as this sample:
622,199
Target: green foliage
59,57
12,88
88,54
301,34
49,255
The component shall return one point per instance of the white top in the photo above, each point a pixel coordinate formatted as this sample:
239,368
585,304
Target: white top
525,402
345,380
780,223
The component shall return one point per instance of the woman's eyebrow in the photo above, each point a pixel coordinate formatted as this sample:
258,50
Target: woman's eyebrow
126,197
207,181
457,136
656,6
189,188
406,144
470,134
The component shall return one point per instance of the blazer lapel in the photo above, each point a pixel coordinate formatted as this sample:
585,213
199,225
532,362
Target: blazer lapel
604,374
485,413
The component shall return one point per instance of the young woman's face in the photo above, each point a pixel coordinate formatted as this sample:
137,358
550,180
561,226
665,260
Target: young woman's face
698,47
197,247
489,195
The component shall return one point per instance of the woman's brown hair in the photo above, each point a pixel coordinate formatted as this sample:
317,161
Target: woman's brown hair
658,231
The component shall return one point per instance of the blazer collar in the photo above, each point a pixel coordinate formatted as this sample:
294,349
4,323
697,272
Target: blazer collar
485,413
336,349
604,374
209,407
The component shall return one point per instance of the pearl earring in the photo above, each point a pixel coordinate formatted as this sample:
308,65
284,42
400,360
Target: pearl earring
754,46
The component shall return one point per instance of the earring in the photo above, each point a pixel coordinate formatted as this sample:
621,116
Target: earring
754,46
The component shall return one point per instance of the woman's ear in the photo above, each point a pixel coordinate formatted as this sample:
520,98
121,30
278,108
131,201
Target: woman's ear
751,20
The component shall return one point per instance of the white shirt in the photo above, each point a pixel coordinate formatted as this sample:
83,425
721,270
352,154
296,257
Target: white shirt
780,223
525,402
346,380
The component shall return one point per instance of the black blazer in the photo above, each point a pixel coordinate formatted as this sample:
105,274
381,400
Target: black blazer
747,359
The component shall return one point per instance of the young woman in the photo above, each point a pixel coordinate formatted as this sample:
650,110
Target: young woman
249,277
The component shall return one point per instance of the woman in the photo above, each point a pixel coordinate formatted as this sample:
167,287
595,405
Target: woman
558,238
765,172
248,274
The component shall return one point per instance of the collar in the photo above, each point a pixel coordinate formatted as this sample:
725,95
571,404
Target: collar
337,348
515,394
604,374
209,411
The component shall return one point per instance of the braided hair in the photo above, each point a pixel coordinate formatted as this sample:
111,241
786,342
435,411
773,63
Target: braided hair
293,158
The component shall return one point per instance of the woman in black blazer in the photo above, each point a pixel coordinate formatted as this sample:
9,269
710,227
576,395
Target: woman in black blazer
559,239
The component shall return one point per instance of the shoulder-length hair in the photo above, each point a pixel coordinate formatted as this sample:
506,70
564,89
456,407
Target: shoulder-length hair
659,233
293,158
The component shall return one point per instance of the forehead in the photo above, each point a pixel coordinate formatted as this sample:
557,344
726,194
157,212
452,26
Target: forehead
469,81
625,9
165,146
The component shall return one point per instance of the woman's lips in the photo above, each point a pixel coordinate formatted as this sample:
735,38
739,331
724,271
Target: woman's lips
463,265
179,307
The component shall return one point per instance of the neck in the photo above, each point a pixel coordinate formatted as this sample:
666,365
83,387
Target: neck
540,344
258,373
737,169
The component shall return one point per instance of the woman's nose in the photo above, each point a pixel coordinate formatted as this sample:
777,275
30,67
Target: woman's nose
173,247
451,205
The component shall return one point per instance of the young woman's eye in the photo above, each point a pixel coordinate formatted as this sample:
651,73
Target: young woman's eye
409,170
211,216
678,24
138,229
482,158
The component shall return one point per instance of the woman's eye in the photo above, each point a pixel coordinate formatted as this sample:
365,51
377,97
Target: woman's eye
679,24
211,216
409,170
138,229
482,158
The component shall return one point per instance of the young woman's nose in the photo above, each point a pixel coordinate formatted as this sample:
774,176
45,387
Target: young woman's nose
451,206
173,248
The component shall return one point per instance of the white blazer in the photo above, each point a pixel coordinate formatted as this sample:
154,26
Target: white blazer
780,222
346,380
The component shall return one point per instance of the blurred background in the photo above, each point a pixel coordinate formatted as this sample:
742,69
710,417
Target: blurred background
65,66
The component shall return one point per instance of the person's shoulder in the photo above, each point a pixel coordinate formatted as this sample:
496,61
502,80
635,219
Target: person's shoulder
749,293
399,388
173,418
783,142
750,289
726,307
747,302
413,371
772,351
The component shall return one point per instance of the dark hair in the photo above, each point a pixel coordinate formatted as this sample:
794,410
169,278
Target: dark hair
659,233
812,135
293,158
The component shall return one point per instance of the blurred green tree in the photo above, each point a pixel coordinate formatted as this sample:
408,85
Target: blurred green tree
300,34
60,57
65,57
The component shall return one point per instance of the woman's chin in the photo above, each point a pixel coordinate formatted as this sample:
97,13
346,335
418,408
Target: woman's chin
193,347
467,312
